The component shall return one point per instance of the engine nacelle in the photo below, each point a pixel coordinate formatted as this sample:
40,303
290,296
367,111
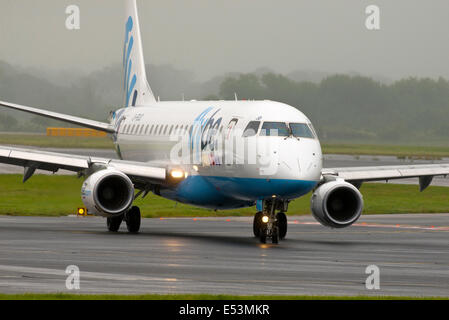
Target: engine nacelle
337,204
107,193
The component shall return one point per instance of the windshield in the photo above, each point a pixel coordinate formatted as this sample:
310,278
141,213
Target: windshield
275,129
301,130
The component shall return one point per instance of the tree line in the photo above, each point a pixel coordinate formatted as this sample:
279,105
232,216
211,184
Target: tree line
349,108
357,108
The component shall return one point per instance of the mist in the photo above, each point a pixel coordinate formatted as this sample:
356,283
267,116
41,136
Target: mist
355,84
210,38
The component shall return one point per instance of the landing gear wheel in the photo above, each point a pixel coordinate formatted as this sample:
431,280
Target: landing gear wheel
133,220
275,235
263,234
113,223
282,225
257,224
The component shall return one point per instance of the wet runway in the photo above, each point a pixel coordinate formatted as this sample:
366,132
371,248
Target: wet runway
218,255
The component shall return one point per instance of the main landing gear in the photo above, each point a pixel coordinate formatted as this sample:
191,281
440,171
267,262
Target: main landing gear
269,223
132,219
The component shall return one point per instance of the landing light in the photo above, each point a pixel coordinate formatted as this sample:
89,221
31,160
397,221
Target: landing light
265,219
177,174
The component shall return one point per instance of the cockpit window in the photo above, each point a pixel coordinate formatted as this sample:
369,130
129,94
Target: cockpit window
251,129
275,129
301,130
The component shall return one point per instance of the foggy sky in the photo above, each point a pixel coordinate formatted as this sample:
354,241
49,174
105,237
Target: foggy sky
212,37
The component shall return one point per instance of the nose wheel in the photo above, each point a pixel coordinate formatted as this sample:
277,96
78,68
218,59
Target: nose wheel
257,224
282,224
270,224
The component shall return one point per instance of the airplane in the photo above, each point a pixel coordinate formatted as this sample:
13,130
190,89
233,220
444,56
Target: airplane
211,154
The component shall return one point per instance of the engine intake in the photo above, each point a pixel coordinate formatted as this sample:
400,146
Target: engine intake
337,204
107,193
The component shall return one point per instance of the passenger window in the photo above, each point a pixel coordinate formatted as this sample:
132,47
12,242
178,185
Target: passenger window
146,129
141,129
151,130
161,129
251,129
171,130
124,128
155,130
301,130
279,129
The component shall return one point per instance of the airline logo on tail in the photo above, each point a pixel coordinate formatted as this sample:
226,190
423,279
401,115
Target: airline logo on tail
130,82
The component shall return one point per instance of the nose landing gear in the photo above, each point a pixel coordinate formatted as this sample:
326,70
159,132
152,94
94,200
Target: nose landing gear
269,223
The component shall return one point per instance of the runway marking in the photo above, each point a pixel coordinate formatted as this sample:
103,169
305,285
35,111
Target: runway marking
297,221
84,274
378,225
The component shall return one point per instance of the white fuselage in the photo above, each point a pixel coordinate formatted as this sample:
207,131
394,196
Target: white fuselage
225,164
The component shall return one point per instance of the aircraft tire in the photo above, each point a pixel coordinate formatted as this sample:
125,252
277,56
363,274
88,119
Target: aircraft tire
257,224
113,223
282,224
275,236
133,220
263,234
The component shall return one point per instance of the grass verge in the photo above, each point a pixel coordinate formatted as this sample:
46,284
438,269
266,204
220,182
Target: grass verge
60,196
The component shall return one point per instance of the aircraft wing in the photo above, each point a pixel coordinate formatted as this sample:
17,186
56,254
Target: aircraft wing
140,173
358,175
97,125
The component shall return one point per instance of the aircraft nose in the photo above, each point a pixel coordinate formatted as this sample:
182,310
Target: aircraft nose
301,158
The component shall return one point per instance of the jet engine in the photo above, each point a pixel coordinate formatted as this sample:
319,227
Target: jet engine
337,204
107,193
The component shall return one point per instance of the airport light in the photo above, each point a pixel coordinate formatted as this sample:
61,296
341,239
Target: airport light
81,211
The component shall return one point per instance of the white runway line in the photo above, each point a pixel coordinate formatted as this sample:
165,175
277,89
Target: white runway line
84,274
